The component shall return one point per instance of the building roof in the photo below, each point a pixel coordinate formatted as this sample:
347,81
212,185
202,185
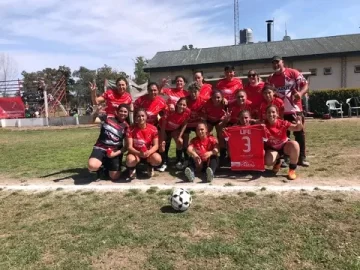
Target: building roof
257,51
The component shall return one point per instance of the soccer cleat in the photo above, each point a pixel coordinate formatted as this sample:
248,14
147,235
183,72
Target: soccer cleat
276,167
132,175
291,174
162,168
303,162
209,175
179,165
189,174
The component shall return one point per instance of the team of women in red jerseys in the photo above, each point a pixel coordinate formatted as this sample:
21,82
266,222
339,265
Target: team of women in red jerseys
166,114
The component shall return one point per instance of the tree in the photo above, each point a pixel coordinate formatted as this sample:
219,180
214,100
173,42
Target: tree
184,48
140,75
8,71
109,73
191,47
81,87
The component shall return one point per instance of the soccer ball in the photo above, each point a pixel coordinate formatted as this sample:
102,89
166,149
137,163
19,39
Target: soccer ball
180,199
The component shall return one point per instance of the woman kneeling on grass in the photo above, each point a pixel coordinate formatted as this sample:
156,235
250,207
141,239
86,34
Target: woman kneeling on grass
173,125
142,143
203,151
109,148
278,143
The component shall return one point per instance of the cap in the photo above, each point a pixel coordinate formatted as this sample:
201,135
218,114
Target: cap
276,58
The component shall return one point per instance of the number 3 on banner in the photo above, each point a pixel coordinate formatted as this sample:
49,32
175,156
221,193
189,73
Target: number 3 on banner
247,144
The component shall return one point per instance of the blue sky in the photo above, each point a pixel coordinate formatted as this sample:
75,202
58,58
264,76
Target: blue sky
91,33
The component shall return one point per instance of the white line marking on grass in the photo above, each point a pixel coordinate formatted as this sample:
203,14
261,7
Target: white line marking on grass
210,188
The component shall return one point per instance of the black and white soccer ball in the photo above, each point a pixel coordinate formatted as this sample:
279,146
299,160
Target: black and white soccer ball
180,199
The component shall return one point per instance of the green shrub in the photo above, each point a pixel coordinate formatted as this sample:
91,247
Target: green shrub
318,98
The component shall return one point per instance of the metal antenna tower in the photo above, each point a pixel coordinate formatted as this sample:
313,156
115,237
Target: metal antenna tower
236,22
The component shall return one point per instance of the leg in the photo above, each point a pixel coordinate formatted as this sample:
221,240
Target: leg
190,170
292,149
154,160
95,160
185,145
94,164
221,140
165,154
211,168
272,158
114,175
131,162
179,149
300,138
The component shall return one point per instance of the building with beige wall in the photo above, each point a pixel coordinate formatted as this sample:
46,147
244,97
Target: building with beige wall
334,62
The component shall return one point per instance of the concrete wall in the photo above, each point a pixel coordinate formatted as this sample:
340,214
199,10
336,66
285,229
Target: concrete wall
320,81
55,121
352,78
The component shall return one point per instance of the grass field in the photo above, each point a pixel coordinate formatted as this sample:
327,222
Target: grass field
88,230
138,230
333,148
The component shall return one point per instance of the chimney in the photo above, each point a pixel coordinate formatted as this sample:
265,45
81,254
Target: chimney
269,30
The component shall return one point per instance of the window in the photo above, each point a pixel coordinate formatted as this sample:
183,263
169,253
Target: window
357,69
209,77
313,71
327,71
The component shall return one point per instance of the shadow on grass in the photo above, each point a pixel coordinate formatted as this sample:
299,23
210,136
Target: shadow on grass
169,210
81,176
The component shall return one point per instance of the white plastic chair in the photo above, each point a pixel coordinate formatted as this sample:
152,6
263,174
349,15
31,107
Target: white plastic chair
336,106
354,104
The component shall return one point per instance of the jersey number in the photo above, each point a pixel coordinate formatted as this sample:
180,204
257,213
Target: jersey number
247,144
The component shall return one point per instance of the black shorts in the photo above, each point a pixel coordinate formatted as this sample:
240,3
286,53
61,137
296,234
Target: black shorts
188,130
111,164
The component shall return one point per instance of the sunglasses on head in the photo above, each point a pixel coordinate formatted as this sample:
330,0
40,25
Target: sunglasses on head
252,75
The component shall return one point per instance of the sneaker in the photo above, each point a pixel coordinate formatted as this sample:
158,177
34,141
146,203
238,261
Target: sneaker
162,168
209,175
179,165
150,171
303,162
291,175
189,174
276,168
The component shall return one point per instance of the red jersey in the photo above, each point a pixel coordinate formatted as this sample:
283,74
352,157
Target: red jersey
276,134
286,84
254,94
235,109
277,102
247,147
203,146
174,94
229,88
195,106
113,100
205,91
142,137
213,113
174,120
152,106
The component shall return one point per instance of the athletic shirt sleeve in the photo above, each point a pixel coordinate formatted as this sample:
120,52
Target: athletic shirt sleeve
212,143
129,131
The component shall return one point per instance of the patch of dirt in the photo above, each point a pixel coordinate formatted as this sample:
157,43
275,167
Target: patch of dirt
120,258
